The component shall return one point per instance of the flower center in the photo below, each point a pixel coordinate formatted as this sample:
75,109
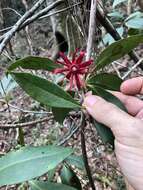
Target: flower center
74,68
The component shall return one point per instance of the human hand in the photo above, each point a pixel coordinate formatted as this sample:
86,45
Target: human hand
127,128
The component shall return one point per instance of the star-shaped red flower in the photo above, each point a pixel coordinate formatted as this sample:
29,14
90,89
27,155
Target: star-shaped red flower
74,69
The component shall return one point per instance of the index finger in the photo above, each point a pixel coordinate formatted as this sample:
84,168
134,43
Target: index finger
132,86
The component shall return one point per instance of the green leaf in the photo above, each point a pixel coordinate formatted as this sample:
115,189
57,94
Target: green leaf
133,31
69,177
135,20
105,133
136,14
136,23
60,114
36,63
51,174
30,162
44,91
108,96
117,50
107,81
76,161
117,2
116,15
40,185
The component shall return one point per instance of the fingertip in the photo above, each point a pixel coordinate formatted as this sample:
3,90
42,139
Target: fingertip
89,100
125,86
132,86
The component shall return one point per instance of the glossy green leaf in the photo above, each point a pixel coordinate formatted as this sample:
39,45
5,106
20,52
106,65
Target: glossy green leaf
51,174
44,91
30,162
117,2
76,161
116,15
60,114
106,81
69,177
35,63
135,20
137,14
133,31
105,133
40,185
109,97
117,50
136,23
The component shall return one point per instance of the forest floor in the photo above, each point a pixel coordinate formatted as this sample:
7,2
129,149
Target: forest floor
22,108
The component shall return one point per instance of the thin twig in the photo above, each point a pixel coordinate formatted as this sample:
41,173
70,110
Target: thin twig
133,68
23,110
83,123
129,7
28,37
28,111
26,124
6,54
60,11
16,12
32,19
92,25
10,33
5,98
116,70
120,64
68,136
84,153
41,13
5,29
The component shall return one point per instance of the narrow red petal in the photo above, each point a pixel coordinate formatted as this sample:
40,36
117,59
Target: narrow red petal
68,75
80,57
65,58
78,81
60,70
71,81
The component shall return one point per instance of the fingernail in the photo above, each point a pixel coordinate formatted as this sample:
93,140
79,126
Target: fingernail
90,101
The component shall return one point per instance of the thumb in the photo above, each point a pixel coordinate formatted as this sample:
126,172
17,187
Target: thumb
107,113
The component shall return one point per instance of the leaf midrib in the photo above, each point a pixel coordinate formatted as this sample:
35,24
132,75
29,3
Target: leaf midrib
26,160
66,98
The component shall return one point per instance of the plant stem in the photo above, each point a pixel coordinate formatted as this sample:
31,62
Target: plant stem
21,137
84,153
92,25
26,124
129,7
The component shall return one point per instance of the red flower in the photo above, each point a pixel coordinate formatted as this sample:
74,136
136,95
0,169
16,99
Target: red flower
74,69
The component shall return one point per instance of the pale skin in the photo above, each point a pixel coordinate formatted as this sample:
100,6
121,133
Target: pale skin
127,128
